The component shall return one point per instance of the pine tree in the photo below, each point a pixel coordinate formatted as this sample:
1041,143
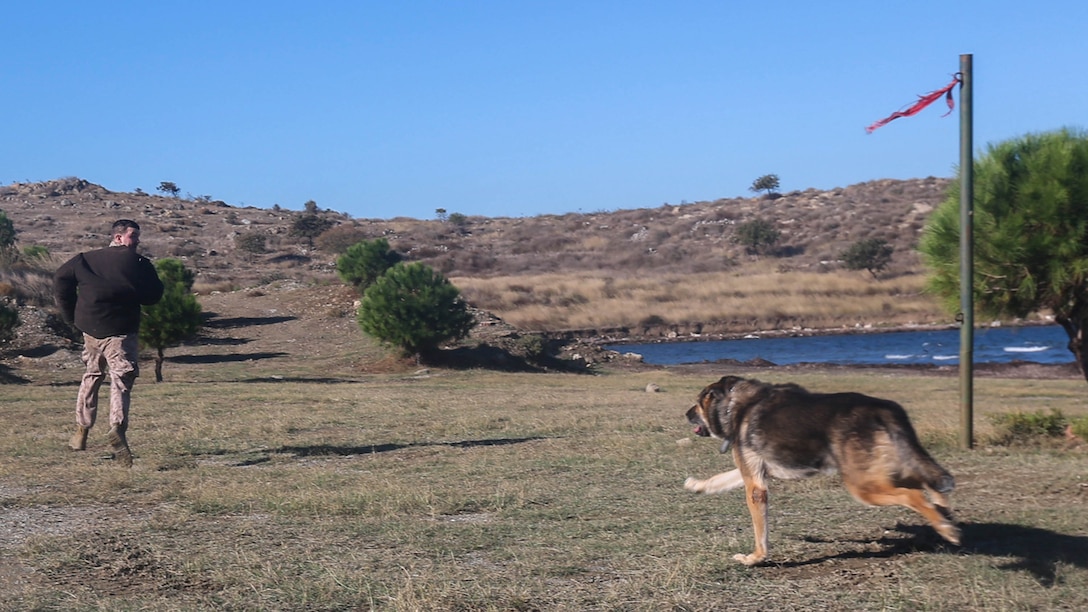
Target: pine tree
415,309
1030,234
365,261
177,316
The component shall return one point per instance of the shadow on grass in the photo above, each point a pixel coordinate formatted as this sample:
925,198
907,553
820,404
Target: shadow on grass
1034,550
213,321
487,357
319,450
7,377
230,358
220,341
323,380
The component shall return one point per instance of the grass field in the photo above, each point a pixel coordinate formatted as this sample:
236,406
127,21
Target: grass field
475,490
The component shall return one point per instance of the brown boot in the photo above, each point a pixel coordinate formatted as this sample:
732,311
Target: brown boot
119,445
79,439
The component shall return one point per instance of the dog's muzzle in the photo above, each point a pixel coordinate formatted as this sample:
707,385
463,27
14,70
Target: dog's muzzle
700,427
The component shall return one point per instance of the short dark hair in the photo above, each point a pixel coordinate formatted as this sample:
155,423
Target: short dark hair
120,225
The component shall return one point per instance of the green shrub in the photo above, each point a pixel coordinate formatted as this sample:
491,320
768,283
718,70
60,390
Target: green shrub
1028,427
364,262
532,346
35,252
1080,427
414,308
873,254
9,320
757,236
337,240
310,226
251,242
7,230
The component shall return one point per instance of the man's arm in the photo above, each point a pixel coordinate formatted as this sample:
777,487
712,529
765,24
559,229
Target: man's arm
64,290
150,286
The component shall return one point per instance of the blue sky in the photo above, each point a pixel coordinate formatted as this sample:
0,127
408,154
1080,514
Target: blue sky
517,107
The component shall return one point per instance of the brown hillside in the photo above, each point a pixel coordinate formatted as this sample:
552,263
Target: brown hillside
674,270
70,215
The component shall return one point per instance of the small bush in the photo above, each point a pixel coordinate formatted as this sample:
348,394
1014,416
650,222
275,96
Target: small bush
757,236
532,346
338,239
309,226
9,320
251,242
35,252
1029,427
872,254
207,288
7,230
1079,426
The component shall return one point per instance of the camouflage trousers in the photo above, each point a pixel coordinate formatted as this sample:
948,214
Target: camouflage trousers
119,357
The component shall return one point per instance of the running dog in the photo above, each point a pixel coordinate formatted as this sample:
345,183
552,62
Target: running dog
784,431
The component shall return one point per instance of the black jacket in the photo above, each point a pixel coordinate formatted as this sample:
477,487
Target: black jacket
101,291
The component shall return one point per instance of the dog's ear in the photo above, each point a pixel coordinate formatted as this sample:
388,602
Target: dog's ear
728,382
714,402
746,391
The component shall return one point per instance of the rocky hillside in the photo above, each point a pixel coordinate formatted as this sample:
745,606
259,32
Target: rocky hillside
238,248
217,239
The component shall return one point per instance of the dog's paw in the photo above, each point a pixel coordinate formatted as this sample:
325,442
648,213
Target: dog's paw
950,532
749,560
694,485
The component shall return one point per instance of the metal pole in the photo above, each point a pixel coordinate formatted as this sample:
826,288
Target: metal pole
967,262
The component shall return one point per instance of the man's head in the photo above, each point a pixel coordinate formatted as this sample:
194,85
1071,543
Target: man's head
125,232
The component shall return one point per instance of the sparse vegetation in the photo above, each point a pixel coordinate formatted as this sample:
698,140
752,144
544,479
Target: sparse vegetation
485,491
668,246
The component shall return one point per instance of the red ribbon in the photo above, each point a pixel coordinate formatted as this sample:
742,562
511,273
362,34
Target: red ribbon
923,101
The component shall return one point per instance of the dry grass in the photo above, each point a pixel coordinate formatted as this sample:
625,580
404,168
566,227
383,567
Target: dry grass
484,491
713,302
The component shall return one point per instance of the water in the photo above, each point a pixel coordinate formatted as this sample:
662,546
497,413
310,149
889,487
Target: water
1040,344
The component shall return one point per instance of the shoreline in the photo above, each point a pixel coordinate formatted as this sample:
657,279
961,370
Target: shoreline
1017,368
627,339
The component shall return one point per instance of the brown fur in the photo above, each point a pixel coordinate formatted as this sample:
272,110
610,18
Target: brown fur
784,431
